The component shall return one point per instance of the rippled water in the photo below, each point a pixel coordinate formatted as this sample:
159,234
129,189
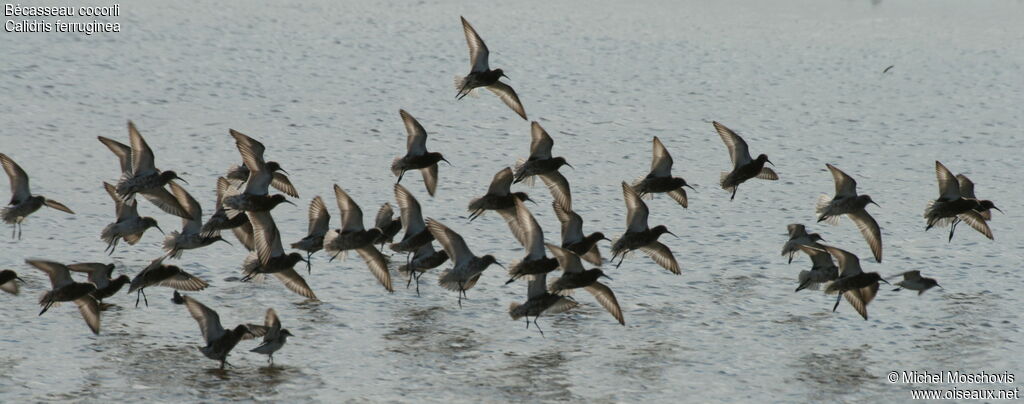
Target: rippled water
321,82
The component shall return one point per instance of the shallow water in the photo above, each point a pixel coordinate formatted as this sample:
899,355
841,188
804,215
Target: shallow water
320,83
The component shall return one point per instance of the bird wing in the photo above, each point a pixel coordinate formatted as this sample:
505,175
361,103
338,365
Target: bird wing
281,183
869,229
266,237
849,264
662,255
679,195
501,184
845,184
351,215
559,187
244,234
796,230
606,298
209,321
508,96
19,179
533,235
949,187
272,322
194,222
859,298
636,209
50,203
416,142
451,242
295,283
430,178
477,49
166,202
122,151
411,214
99,273
661,161
122,209
90,310
566,259
738,150
319,217
142,156
540,142
966,186
384,216
538,286
977,222
58,273
378,265
252,156
184,281
572,224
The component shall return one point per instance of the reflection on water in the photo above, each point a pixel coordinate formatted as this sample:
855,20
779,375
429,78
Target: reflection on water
835,373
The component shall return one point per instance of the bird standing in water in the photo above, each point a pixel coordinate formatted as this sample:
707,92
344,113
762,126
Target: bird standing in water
275,337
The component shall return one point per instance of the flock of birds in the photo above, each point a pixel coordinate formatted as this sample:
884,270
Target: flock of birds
244,205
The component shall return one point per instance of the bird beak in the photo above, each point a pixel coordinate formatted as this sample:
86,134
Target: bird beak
182,180
532,201
229,243
505,76
283,171
606,239
159,229
446,161
23,281
671,233
940,286
570,166
606,276
290,202
1000,210
499,264
883,280
770,162
688,186
876,204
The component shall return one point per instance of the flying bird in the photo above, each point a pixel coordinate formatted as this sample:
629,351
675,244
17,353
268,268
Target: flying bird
144,178
64,289
543,165
319,223
270,258
798,236
466,266
847,202
158,274
219,342
353,236
859,288
481,75
416,156
22,203
575,277
914,281
275,337
951,206
190,237
129,225
660,179
573,238
743,167
540,301
639,236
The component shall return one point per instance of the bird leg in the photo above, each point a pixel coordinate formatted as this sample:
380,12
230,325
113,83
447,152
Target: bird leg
144,298
839,298
952,227
538,326
417,284
460,294
46,307
309,267
733,193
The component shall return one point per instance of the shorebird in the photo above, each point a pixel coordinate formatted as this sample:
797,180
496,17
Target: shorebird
353,236
190,236
279,177
797,237
269,257
388,225
416,156
129,225
466,267
9,281
541,164
319,223
424,259
144,178
22,203
951,207
275,337
64,289
823,269
640,237
743,167
481,75
532,238
219,342
101,274
847,202
660,179
575,277
573,238
540,301
499,198
239,224
967,192
255,197
158,274
859,288
416,233
914,281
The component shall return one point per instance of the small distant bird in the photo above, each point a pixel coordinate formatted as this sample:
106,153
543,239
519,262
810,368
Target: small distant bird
239,224
158,274
353,236
279,177
540,301
914,281
388,225
888,68
416,233
823,269
219,342
144,178
640,237
797,237
319,223
190,237
424,259
847,202
255,197
67,290
541,164
575,277
743,167
466,267
481,75
859,288
417,157
22,203
275,337
101,275
951,206
532,238
129,225
573,238
269,257
499,198
660,179
9,281
967,192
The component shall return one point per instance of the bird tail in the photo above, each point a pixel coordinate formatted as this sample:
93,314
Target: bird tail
721,181
806,281
519,169
516,311
821,208
396,167
171,245
108,234
449,280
